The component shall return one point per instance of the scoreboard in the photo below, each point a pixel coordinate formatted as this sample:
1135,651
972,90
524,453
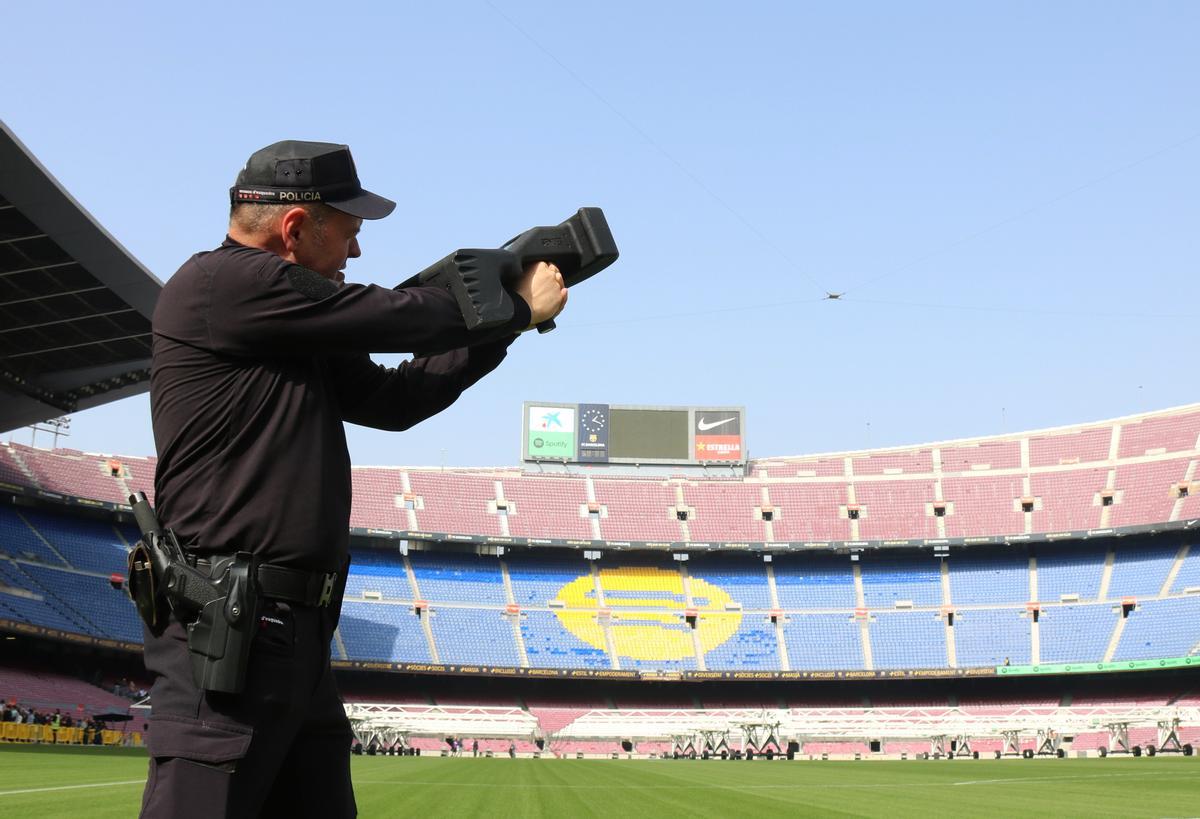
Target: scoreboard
615,434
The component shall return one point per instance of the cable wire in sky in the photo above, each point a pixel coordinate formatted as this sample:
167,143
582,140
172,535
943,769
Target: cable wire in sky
841,295
985,308
658,147
1033,311
693,313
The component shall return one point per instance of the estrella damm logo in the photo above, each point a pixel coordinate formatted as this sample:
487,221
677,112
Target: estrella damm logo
647,608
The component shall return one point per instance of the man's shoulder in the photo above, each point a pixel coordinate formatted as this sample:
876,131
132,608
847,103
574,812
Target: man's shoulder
207,282
229,258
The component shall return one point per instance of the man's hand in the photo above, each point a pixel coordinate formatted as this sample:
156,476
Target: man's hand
543,290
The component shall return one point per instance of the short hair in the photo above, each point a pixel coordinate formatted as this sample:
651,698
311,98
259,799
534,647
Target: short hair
256,217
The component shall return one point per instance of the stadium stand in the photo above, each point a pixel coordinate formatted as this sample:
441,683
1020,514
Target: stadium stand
896,509
1141,572
983,504
982,455
823,641
753,647
1071,571
888,582
989,579
378,574
1074,633
444,577
1081,445
1146,491
1070,499
907,640
82,544
1155,434
809,511
637,510
994,637
549,645
745,581
455,502
1160,628
724,510
537,582
1066,478
371,631
543,504
49,690
73,473
629,613
893,463
1189,572
379,498
471,636
1125,599
817,582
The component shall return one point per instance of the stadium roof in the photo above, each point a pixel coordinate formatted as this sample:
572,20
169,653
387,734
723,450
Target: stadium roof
75,306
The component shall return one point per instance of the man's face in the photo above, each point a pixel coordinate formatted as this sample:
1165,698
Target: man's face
326,247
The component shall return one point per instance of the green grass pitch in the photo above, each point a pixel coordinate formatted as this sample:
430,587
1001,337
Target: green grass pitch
96,783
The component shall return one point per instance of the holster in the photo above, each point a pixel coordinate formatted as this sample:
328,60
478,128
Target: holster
219,607
145,590
220,637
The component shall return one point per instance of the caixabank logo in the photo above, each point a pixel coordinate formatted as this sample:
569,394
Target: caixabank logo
551,433
647,608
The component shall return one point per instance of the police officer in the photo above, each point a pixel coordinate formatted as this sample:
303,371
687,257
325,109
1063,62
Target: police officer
260,355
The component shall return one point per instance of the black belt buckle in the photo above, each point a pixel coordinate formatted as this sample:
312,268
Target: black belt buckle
327,584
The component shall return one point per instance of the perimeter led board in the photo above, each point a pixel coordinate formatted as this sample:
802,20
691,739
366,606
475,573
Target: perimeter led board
605,433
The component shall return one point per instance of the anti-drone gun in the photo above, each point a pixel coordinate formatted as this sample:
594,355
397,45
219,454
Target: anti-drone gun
580,247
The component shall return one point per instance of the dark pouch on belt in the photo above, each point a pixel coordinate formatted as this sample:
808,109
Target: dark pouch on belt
143,589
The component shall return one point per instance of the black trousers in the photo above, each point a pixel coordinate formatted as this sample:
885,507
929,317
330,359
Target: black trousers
279,748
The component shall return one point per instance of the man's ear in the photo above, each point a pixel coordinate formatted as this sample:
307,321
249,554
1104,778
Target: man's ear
291,226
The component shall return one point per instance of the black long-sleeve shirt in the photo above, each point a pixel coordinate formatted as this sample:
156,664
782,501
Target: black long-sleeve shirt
256,365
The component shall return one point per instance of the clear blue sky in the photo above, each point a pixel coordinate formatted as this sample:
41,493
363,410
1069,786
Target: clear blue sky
1006,192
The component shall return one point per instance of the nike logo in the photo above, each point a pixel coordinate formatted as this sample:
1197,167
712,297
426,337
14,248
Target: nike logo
705,426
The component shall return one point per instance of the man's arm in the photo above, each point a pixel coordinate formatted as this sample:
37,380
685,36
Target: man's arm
284,309
395,399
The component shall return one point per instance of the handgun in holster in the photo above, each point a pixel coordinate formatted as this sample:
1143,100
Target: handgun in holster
219,608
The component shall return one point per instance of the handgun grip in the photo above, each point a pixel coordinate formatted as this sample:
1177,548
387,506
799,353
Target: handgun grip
147,521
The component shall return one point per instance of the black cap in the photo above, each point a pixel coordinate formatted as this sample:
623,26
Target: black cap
304,172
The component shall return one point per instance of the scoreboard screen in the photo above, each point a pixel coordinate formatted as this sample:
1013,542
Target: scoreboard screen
604,433
648,435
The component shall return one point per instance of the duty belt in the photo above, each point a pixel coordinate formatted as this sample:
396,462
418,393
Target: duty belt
290,585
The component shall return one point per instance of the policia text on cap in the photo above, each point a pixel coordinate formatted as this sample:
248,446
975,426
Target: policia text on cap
260,355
